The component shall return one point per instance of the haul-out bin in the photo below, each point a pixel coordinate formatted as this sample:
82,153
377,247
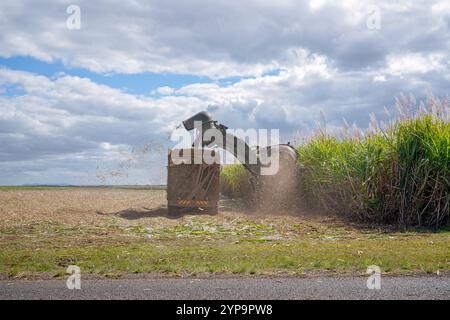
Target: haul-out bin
193,180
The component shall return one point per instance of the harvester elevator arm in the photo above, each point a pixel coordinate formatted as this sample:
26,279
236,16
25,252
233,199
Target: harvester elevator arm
203,121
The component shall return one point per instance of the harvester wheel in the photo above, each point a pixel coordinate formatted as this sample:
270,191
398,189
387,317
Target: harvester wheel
174,211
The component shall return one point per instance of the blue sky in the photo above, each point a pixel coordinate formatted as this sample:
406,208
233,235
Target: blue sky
140,84
98,104
144,83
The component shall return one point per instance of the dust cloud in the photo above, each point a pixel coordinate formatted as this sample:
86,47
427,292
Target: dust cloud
140,163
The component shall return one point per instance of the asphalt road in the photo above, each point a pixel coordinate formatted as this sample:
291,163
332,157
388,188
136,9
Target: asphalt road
432,287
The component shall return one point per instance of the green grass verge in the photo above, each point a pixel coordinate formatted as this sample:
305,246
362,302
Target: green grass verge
246,248
270,257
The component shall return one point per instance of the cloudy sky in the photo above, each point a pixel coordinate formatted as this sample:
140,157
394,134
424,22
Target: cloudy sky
97,104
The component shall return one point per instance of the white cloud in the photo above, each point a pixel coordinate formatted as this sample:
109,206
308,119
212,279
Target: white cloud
227,38
379,78
402,64
165,90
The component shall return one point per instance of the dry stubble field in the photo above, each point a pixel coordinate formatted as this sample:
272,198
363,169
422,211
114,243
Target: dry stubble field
118,232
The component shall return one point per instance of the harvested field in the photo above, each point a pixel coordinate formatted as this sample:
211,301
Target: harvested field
73,205
110,231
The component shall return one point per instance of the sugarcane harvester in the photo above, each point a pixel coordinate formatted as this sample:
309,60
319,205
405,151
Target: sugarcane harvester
193,180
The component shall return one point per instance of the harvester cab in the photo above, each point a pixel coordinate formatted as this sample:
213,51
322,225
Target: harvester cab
194,173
